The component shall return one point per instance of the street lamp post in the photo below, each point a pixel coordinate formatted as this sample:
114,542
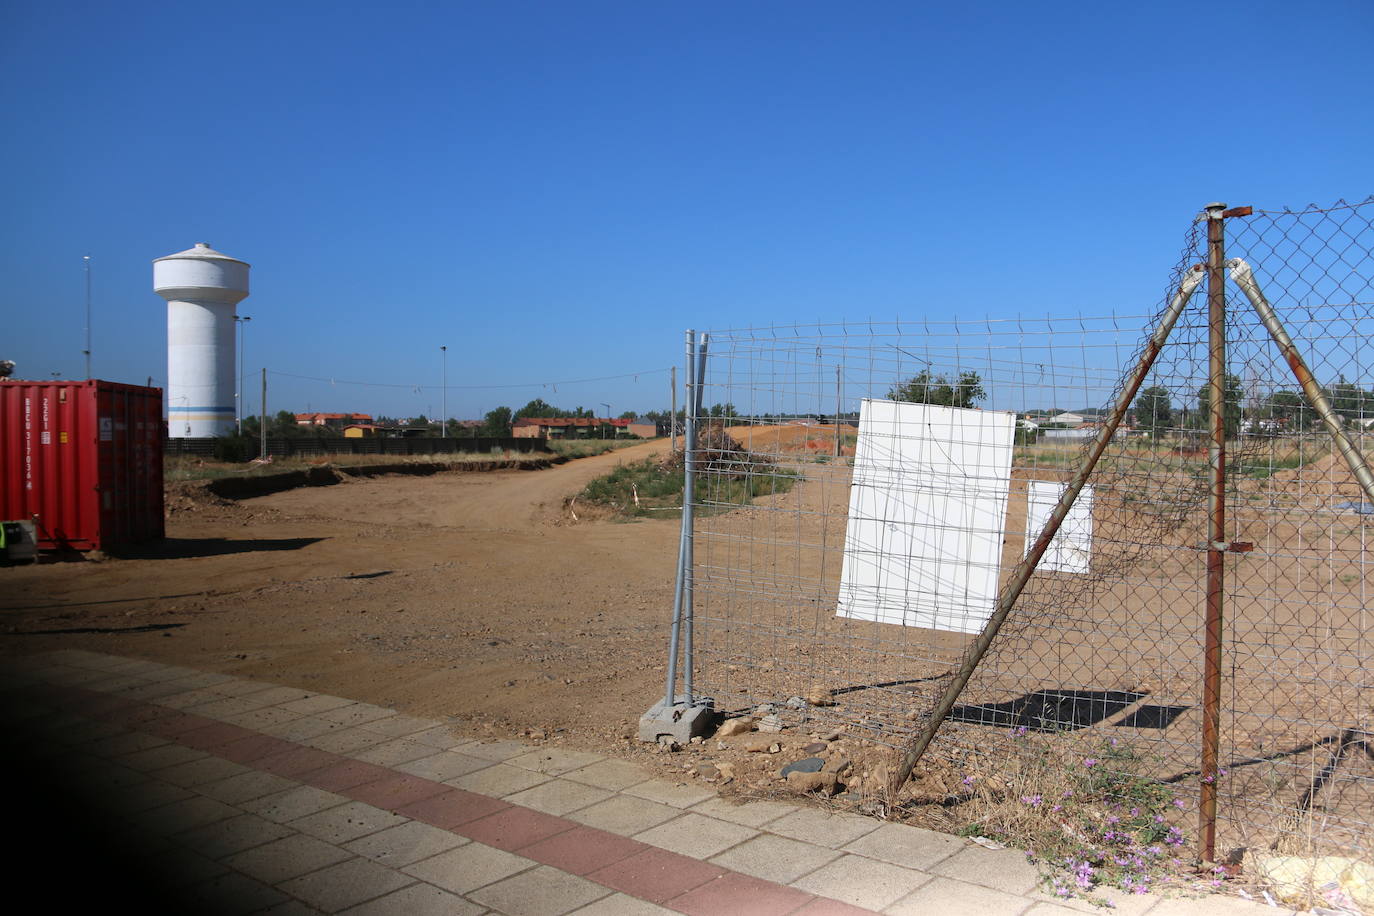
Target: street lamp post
87,351
238,383
444,427
608,417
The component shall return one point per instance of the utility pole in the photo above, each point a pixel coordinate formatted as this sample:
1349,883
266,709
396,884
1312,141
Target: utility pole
444,428
262,452
672,417
238,386
87,351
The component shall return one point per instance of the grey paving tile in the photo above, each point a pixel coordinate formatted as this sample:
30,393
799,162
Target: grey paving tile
274,695
440,737
126,743
289,908
405,844
299,729
231,893
823,828
904,845
496,751
1003,870
145,796
625,815
299,801
197,772
204,679
542,891
151,691
862,882
356,714
750,814
1214,905
344,885
609,774
230,835
468,867
314,704
949,897
696,835
679,796
179,867
554,761
441,766
400,726
498,780
622,905
418,900
189,696
395,751
346,741
286,858
246,787
347,822
261,719
775,858
185,814
224,707
558,796
157,758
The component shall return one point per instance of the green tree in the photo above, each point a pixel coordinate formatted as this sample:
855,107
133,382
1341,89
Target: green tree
1230,403
1153,410
497,425
539,408
1288,408
927,388
1350,401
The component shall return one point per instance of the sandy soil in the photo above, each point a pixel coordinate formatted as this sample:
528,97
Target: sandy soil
469,595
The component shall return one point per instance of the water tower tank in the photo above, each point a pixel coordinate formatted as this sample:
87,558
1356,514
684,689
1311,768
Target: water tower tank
202,287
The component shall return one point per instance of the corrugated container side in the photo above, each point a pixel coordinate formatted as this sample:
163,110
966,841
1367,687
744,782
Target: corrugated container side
84,459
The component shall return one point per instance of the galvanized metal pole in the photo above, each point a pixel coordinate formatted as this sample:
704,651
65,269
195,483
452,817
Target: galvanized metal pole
1245,279
680,586
1023,571
1216,532
672,417
688,524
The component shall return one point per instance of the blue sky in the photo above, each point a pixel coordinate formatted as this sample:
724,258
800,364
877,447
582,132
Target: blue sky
556,190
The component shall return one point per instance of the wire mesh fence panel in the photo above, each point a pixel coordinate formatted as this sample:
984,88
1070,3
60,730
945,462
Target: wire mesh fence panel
866,491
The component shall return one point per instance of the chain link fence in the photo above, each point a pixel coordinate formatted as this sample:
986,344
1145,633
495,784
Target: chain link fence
846,583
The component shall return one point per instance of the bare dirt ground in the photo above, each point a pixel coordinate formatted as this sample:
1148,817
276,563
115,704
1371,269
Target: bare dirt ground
468,595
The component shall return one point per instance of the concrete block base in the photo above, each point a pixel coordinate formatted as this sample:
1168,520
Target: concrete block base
679,721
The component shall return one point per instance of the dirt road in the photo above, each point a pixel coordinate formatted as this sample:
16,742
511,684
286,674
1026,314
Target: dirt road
471,595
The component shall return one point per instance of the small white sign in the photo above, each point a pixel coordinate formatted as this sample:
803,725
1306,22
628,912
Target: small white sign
106,429
1071,550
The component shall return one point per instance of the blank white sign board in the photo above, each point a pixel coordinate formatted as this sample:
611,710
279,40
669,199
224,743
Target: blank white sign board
927,510
1072,548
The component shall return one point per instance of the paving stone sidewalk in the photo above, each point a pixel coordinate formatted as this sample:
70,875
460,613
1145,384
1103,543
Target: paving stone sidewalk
189,791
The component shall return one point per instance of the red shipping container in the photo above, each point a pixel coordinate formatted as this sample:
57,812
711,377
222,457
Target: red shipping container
83,459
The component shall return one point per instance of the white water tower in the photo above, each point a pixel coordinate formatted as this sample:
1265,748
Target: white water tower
202,288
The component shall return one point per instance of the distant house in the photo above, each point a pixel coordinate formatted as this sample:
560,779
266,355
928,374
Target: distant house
363,431
564,427
332,420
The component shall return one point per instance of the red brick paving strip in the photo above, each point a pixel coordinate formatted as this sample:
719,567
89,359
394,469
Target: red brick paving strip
734,894
656,875
516,828
660,876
